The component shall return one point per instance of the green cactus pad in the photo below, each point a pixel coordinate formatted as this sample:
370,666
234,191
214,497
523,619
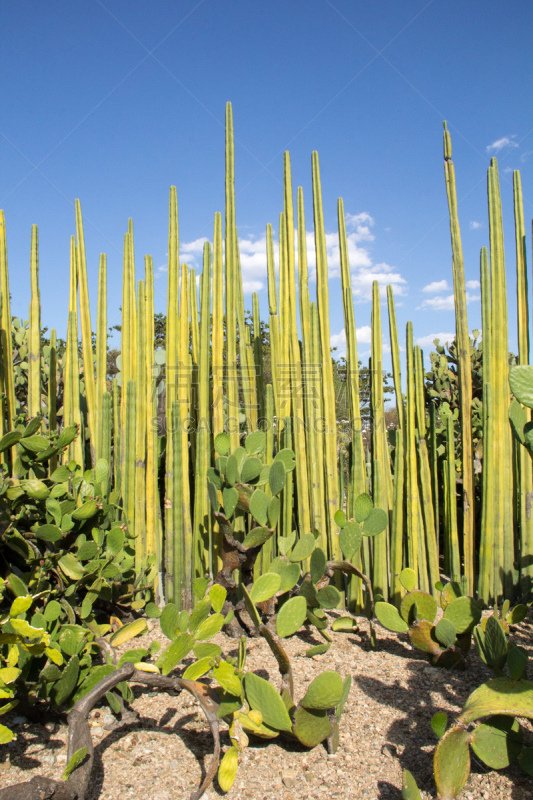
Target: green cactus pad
259,502
521,383
517,614
217,595
426,606
199,613
225,676
303,547
291,616
498,741
209,627
212,494
389,617
206,649
376,522
311,727
420,633
288,572
285,543
257,537
254,443
227,770
452,658
350,539
232,470
175,653
263,697
346,686
229,704
410,790
198,669
408,579
451,763
230,498
222,444
518,420
517,659
340,518
495,644
464,613
286,457
169,620
273,511
525,759
329,597
317,650
320,623
451,591
344,624
309,591
499,696
265,587
199,586
62,690
251,469
439,723
324,692
277,477
318,564
445,632
363,507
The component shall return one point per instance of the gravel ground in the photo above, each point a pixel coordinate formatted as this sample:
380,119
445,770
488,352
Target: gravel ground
385,727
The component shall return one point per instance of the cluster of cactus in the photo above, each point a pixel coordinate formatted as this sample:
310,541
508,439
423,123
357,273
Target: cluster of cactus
447,641
497,705
249,704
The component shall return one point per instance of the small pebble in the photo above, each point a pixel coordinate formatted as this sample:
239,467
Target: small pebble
288,776
19,720
97,731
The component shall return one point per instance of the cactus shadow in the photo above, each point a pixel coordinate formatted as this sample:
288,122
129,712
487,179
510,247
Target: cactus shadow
388,791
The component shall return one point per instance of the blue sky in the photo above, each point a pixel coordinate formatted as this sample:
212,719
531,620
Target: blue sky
112,102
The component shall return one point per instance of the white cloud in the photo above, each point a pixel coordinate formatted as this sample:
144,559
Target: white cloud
524,157
499,144
363,270
444,303
436,286
475,225
472,285
427,341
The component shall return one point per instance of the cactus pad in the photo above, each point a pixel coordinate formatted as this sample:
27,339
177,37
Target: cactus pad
350,539
259,503
254,443
303,547
340,518
499,696
363,507
217,595
263,697
277,477
445,632
410,790
309,591
222,444
324,692
451,591
265,587
230,498
291,616
426,606
311,727
498,741
464,613
389,617
451,762
257,537
345,624
317,650
517,614
251,469
227,770
318,564
329,597
273,511
439,723
286,542
376,522
521,382
408,580
288,572
420,633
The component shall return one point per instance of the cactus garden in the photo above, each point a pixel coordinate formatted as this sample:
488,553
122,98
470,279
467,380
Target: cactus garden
194,545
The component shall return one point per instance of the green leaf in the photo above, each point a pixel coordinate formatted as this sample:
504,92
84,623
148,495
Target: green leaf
521,382
311,726
363,507
340,518
251,469
225,676
35,444
445,632
199,587
175,653
259,503
498,741
286,457
263,697
255,443
199,613
291,616
48,533
277,477
451,762
329,597
232,470
324,692
170,616
273,511
410,790
206,650
222,444
230,498
408,579
286,542
350,539
152,611
257,537
518,420
376,522
218,595
86,511
288,572
265,587
303,547
20,605
9,440
209,627
439,723
52,611
389,617
75,761
318,564
62,690
94,677
115,540
71,567
32,427
198,669
6,735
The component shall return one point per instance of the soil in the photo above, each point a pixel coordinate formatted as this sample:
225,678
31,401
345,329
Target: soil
163,753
